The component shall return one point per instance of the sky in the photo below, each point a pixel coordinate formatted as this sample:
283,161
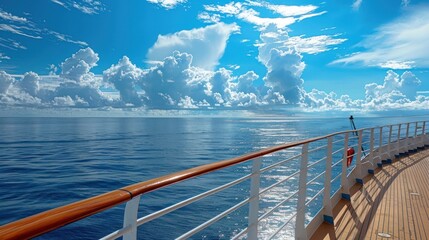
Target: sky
311,56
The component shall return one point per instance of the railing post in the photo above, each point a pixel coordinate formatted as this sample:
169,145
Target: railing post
255,181
328,216
398,144
371,152
300,231
130,218
415,139
380,147
407,141
389,147
344,182
424,134
358,158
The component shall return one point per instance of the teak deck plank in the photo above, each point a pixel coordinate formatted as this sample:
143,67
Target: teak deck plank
391,204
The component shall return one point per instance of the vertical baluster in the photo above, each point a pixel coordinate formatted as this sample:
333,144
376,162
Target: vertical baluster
389,143
380,148
415,136
300,231
358,159
371,152
255,181
407,141
327,205
344,182
398,144
130,218
424,137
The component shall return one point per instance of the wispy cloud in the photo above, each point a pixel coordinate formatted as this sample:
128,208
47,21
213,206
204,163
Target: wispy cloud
19,30
11,44
405,3
315,44
65,38
400,44
24,27
85,6
3,57
244,11
167,4
9,17
356,4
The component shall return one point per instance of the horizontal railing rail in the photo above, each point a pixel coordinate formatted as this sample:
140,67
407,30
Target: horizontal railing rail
317,191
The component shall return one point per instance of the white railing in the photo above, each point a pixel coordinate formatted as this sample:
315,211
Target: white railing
373,147
310,177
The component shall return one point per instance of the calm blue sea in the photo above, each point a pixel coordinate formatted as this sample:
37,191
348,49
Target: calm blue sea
50,162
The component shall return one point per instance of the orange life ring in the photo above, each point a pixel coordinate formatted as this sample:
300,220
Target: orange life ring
350,153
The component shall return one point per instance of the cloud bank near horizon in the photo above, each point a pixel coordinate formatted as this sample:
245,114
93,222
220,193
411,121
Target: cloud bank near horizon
176,83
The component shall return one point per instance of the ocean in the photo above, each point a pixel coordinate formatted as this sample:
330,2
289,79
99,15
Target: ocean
49,162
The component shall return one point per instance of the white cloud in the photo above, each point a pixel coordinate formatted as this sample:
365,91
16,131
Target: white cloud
9,17
30,83
66,38
315,44
405,3
230,9
168,4
85,6
290,13
19,30
5,81
78,66
4,57
209,18
406,85
11,44
252,16
356,4
125,76
174,83
399,44
206,45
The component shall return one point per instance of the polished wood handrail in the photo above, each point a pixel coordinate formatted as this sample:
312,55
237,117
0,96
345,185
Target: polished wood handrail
50,220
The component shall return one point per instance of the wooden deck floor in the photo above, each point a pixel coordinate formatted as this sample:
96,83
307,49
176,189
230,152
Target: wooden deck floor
392,204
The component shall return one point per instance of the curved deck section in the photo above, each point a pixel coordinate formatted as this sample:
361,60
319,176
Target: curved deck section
391,204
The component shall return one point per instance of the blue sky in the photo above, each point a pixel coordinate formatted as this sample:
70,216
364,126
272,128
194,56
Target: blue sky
188,54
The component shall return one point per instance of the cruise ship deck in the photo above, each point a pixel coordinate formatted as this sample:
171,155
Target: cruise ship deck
391,204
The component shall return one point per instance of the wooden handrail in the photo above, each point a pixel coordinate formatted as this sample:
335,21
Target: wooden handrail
50,220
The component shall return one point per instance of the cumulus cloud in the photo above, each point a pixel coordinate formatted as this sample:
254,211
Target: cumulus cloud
5,81
167,4
206,45
124,76
30,83
400,44
405,85
78,66
175,83
284,76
